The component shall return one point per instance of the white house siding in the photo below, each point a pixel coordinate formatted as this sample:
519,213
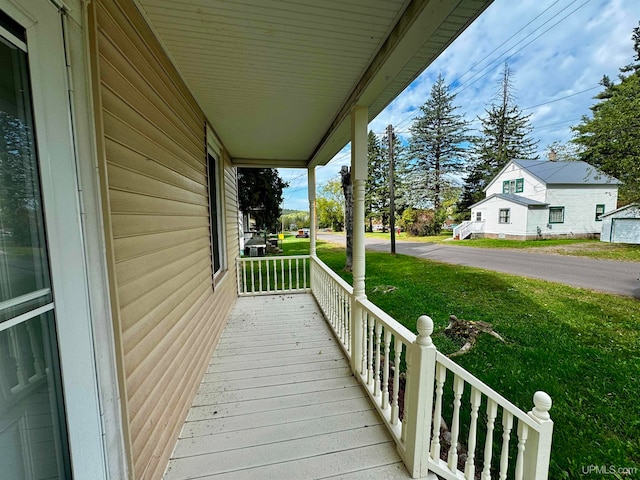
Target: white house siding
533,189
579,208
491,218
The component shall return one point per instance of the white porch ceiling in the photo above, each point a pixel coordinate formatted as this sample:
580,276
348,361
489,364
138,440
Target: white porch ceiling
277,78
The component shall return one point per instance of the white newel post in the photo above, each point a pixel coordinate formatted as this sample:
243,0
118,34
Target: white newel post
359,160
418,403
537,452
311,185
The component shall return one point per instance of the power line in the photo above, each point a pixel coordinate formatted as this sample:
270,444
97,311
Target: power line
501,57
562,98
466,85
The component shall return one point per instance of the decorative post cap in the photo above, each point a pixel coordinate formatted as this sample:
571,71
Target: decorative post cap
425,329
542,403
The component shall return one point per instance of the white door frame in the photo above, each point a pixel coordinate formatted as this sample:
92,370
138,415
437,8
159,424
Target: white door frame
56,156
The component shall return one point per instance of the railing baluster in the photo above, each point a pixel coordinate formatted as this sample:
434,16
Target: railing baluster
441,376
492,412
395,406
385,369
304,272
297,275
507,425
523,434
275,274
245,288
267,268
253,275
376,368
470,467
458,388
260,279
282,272
371,321
363,326
290,277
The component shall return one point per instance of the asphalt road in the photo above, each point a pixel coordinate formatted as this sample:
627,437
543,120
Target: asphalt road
601,275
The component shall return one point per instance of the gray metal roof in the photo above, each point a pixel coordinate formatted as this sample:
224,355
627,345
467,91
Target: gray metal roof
566,173
515,199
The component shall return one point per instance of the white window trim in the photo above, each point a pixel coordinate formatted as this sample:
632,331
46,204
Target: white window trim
213,149
56,155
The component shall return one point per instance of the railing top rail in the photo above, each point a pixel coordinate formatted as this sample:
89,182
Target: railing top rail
486,390
276,257
334,276
391,323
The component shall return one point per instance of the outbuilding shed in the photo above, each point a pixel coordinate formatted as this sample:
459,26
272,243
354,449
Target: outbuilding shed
622,225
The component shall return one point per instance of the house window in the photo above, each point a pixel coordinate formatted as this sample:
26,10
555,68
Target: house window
556,214
513,186
478,216
505,215
215,212
599,212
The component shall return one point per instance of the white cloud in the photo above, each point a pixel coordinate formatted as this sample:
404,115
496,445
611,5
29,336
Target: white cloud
578,41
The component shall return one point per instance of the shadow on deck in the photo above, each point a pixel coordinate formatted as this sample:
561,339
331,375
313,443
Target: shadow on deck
279,401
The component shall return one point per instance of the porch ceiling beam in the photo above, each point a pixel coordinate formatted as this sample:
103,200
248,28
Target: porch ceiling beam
412,33
269,163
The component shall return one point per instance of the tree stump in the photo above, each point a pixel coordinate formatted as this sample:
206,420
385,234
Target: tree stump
467,331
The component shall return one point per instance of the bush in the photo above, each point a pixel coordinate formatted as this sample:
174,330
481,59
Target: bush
420,223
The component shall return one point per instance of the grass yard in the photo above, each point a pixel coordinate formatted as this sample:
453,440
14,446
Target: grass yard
582,348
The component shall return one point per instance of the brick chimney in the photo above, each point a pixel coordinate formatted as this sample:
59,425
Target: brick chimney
553,156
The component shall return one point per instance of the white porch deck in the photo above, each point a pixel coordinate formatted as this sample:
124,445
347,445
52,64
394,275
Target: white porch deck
279,402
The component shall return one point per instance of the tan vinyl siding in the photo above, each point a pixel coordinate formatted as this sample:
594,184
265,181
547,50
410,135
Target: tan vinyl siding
154,179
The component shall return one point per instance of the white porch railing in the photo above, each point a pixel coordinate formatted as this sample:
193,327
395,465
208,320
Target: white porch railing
272,275
431,405
467,228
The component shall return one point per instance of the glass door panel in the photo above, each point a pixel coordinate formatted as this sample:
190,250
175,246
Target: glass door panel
33,441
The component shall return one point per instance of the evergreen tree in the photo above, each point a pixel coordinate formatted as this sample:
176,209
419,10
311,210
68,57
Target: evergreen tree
260,191
437,144
378,180
505,136
610,139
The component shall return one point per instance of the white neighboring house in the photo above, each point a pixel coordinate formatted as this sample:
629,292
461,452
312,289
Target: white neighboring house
622,225
532,199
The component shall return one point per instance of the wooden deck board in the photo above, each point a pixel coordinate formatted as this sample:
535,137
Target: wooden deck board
279,401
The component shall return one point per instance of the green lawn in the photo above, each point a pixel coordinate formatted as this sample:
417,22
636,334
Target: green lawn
582,348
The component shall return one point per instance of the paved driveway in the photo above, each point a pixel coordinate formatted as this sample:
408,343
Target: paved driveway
602,275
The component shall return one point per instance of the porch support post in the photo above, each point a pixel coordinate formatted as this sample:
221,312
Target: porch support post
359,163
311,185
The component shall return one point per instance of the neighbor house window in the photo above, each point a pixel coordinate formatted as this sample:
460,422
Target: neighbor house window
478,216
599,212
505,215
215,212
513,186
556,214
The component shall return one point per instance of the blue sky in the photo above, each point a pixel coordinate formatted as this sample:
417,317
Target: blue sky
558,50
